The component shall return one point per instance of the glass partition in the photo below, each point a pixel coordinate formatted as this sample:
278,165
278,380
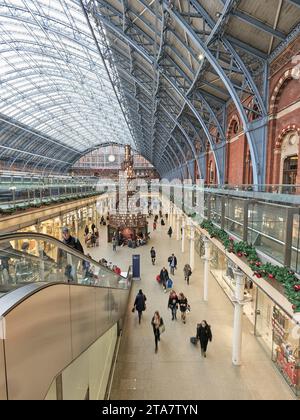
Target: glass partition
234,216
266,229
32,258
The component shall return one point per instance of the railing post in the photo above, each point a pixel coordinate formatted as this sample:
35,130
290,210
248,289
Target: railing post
238,318
288,240
245,225
206,258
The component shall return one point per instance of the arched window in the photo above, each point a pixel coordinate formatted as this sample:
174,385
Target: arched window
211,173
289,158
235,127
290,170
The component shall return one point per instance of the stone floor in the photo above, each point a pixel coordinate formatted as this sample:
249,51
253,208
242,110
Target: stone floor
177,371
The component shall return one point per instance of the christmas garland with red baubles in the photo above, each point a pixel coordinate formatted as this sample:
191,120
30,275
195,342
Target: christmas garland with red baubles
269,271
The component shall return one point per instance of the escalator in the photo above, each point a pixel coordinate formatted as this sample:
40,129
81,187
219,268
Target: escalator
55,303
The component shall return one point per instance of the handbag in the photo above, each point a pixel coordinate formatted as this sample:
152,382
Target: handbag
133,310
188,309
162,328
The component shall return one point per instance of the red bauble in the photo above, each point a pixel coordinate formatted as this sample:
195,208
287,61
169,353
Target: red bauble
271,276
258,275
297,288
240,254
258,264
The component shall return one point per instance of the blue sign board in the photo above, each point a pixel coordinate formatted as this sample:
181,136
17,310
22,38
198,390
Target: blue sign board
136,267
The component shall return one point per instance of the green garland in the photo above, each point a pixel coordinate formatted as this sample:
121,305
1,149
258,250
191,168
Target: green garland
283,275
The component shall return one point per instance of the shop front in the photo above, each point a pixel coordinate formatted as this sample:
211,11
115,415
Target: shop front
274,328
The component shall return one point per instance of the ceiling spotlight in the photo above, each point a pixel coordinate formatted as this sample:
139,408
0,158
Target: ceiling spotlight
218,15
111,158
201,56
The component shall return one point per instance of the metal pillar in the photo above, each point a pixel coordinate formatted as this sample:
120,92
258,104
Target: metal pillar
178,227
183,235
192,247
238,317
206,267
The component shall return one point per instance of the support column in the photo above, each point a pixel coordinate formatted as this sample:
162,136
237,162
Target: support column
183,235
206,267
192,247
238,318
40,248
76,224
178,227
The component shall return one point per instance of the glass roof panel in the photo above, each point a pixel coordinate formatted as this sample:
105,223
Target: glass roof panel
52,76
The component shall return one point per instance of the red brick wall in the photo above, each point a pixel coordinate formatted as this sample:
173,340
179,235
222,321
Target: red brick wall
284,92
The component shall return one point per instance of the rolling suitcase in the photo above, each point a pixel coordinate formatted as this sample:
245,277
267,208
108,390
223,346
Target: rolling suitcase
193,340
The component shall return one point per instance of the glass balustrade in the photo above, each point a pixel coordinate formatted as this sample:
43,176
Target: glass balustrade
33,258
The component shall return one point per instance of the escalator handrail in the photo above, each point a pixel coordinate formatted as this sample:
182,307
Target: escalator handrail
42,237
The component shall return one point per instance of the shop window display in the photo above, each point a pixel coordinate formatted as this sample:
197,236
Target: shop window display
223,271
286,349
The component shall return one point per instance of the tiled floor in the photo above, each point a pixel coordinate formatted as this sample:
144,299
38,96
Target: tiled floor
177,371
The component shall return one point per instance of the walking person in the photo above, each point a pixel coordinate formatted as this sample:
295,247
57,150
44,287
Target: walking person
153,255
114,243
157,323
154,226
172,260
140,304
170,232
183,306
173,304
86,230
204,334
187,273
164,277
93,227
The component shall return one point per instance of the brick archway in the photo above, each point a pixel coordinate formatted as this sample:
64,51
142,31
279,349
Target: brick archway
233,119
284,132
285,78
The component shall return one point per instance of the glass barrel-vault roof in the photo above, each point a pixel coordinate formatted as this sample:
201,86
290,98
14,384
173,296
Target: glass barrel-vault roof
52,77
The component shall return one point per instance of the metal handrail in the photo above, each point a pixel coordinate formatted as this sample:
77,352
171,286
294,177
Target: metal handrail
42,237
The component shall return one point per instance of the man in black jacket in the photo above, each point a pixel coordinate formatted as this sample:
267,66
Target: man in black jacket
71,241
172,260
70,269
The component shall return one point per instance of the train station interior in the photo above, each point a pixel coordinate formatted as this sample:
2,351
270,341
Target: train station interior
149,200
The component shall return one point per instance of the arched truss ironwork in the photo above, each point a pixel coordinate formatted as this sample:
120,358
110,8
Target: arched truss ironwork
187,51
155,74
53,81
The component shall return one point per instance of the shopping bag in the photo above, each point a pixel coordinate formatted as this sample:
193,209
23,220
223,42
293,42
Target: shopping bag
169,284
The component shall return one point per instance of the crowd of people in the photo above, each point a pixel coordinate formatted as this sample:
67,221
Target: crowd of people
176,302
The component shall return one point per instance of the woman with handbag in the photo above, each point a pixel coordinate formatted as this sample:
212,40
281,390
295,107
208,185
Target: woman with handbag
183,305
140,304
187,273
158,328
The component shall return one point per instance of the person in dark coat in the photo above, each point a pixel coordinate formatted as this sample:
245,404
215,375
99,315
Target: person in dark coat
156,323
172,260
71,241
164,277
204,335
93,227
140,303
173,304
183,306
170,232
153,255
86,230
